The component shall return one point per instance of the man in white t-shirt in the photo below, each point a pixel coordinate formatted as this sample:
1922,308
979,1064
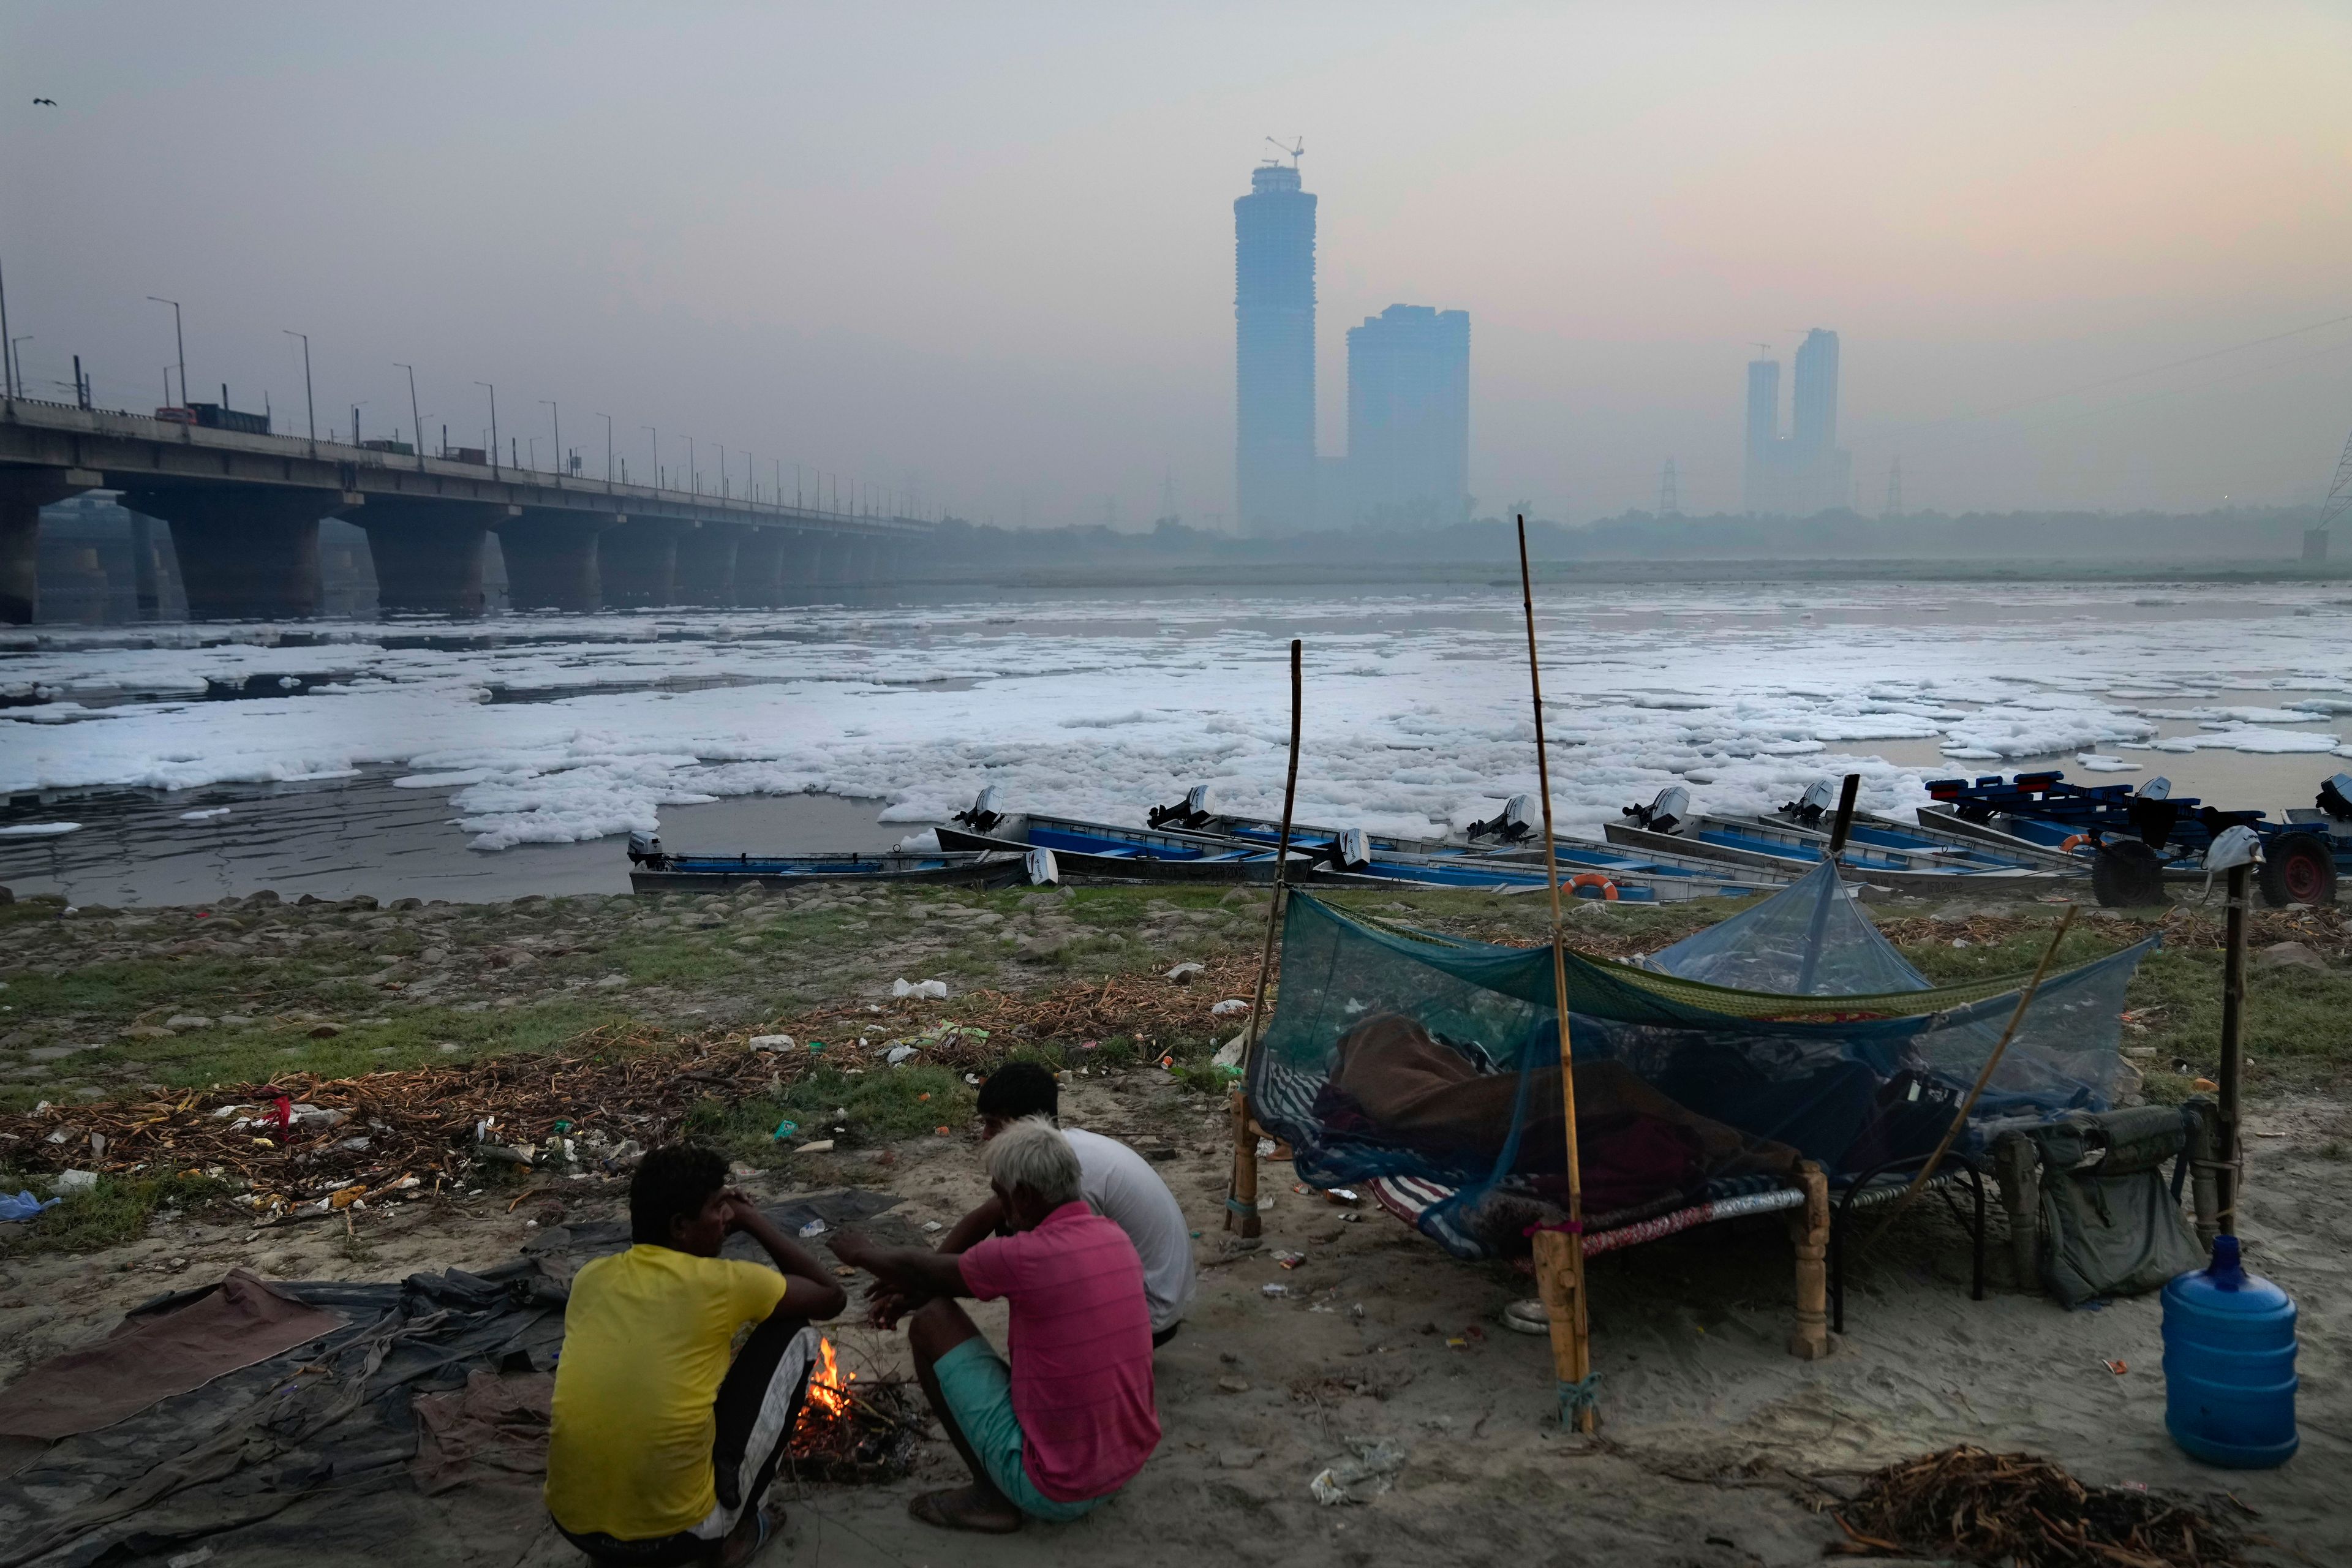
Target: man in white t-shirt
1118,1183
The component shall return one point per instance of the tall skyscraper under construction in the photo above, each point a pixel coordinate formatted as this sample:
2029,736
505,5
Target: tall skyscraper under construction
1806,471
1274,322
1409,417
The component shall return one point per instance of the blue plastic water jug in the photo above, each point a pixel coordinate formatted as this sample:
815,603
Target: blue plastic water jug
2229,1364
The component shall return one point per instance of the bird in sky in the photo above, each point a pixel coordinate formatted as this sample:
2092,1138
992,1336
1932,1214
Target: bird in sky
50,101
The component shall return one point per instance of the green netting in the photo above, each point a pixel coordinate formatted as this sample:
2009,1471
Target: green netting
1400,1053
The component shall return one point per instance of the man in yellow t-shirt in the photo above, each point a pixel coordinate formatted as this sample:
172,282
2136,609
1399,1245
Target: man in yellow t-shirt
661,1445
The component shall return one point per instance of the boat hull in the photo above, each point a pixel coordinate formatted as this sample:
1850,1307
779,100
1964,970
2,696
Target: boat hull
1906,878
998,868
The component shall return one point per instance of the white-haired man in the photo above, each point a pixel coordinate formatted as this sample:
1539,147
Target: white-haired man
1071,1420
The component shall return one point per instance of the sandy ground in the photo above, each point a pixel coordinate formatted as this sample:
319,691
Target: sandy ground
1710,1431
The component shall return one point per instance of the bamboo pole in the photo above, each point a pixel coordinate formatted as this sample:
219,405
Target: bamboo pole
2227,1170
1240,1203
1960,1118
1559,1254
1842,825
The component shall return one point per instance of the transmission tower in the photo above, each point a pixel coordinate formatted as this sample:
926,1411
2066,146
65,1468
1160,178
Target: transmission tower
2339,503
1670,502
1894,489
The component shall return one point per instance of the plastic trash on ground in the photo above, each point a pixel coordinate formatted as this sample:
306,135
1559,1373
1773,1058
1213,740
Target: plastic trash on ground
1229,1055
24,1205
1229,1006
1370,1472
771,1042
934,990
76,1181
899,1054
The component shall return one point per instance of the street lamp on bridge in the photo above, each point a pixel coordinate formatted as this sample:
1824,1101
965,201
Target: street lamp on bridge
179,341
555,417
608,446
494,424
310,406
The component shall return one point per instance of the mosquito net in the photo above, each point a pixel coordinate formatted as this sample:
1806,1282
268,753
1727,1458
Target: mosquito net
1400,1053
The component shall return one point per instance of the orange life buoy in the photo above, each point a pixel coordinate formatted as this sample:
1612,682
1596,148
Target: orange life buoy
1593,880
2073,842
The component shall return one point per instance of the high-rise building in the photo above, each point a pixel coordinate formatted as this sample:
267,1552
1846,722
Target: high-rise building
1805,472
1409,417
1274,332
1814,402
1760,487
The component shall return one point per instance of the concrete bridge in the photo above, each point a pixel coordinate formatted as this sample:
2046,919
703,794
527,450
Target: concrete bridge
244,510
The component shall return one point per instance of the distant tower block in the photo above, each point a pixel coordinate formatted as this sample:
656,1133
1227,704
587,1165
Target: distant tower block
1894,489
1670,502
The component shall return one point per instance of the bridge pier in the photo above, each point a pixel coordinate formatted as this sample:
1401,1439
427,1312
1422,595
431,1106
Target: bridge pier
22,493
553,559
760,567
706,563
427,554
248,552
639,562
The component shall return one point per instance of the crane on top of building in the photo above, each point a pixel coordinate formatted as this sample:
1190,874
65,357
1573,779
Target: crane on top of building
1293,153
1762,350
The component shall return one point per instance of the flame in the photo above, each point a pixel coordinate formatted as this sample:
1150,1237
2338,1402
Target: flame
828,1389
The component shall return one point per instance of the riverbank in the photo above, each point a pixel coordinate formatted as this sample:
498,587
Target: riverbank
1716,1446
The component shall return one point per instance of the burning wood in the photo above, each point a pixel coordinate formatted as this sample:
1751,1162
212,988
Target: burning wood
850,1431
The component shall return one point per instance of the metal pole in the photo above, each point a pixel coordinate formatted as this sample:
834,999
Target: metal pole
657,473
494,424
693,480
7,371
179,339
608,447
309,405
414,418
555,420
1559,1254
2233,1022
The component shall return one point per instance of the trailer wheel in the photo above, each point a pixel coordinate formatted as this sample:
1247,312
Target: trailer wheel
2126,874
2298,868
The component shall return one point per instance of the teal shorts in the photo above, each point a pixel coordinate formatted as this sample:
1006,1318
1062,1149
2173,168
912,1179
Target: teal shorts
978,1387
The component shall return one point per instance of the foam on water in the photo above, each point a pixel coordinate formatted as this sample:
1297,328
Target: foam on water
555,729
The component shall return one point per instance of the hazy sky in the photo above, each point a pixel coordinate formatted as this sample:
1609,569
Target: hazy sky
992,247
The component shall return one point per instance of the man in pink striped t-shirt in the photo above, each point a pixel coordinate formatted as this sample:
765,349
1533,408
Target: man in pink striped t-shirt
1071,1420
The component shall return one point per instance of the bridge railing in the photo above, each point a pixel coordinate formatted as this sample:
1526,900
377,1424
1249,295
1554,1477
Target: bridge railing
328,449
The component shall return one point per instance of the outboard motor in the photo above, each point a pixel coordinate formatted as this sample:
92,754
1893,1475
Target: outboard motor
2336,797
1664,813
644,850
983,817
1351,850
2153,814
1516,823
1818,800
1043,870
1198,806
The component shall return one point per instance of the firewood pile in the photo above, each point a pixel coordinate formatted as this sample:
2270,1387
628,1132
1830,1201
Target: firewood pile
852,1429
2017,1509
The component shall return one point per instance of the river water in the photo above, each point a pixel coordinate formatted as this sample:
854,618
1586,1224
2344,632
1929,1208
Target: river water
486,760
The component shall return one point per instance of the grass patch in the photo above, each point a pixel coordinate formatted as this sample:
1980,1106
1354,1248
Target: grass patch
880,1106
109,1214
